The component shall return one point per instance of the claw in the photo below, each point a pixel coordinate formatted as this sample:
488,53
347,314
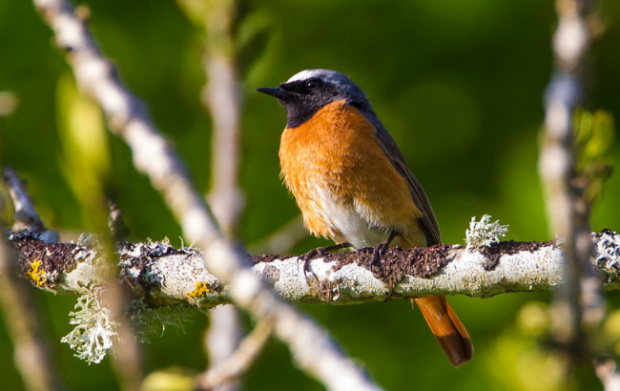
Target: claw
381,249
321,251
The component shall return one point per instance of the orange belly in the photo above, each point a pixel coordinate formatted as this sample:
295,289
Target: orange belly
345,186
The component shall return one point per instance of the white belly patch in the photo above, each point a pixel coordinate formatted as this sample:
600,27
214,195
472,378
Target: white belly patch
351,221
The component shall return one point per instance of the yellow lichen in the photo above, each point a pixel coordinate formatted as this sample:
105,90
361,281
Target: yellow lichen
37,273
201,289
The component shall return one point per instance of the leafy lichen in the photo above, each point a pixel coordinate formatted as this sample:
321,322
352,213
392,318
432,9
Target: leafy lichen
483,233
95,330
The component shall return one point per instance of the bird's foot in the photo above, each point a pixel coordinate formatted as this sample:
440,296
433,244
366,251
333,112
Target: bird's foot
321,251
378,252
381,249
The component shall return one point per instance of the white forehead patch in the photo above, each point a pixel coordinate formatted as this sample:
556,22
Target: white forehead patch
305,75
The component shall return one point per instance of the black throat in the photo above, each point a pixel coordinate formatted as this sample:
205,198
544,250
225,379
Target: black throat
301,105
299,114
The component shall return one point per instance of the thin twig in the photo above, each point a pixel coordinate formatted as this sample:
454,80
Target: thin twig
221,96
33,354
310,346
579,303
283,239
606,372
26,216
240,361
128,359
222,340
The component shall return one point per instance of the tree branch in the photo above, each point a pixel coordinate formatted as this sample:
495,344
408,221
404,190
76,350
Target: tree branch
33,353
163,275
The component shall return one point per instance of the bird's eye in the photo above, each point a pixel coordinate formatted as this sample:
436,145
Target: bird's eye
312,84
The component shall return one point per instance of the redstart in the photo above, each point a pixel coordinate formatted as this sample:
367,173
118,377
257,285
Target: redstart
353,185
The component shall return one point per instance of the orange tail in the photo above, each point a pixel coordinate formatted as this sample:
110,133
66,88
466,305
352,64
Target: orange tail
447,328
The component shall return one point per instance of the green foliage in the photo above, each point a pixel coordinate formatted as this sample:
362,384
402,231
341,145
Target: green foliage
594,139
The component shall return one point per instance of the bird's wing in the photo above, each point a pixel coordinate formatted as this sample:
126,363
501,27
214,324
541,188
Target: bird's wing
428,221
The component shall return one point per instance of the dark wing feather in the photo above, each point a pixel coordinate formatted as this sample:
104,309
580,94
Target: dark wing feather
428,221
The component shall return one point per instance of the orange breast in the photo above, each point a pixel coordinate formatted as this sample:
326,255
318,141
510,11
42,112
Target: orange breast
342,181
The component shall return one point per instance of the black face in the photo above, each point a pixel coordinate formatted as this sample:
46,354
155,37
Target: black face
303,98
310,90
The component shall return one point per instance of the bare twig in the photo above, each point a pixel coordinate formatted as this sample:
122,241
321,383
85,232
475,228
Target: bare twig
128,354
33,356
222,98
239,362
221,341
313,350
578,304
283,239
606,372
26,216
116,224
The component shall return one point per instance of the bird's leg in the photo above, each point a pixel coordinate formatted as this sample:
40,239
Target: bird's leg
382,248
321,251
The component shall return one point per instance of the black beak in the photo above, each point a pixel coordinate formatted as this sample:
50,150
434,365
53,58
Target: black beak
275,92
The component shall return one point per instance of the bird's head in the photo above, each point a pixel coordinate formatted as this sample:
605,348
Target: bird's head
308,91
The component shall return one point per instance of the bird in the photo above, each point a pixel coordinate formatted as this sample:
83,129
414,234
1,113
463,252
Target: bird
352,184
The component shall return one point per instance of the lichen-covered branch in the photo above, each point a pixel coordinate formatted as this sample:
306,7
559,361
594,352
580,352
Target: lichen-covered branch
97,324
311,347
33,352
163,275
33,356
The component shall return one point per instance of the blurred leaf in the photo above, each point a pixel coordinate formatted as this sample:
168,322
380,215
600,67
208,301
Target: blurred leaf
195,10
519,362
173,379
533,319
594,137
84,138
610,335
253,36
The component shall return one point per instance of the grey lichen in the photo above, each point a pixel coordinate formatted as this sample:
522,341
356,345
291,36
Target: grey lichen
93,336
483,233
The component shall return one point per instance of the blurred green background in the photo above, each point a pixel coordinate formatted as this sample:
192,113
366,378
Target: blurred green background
459,85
